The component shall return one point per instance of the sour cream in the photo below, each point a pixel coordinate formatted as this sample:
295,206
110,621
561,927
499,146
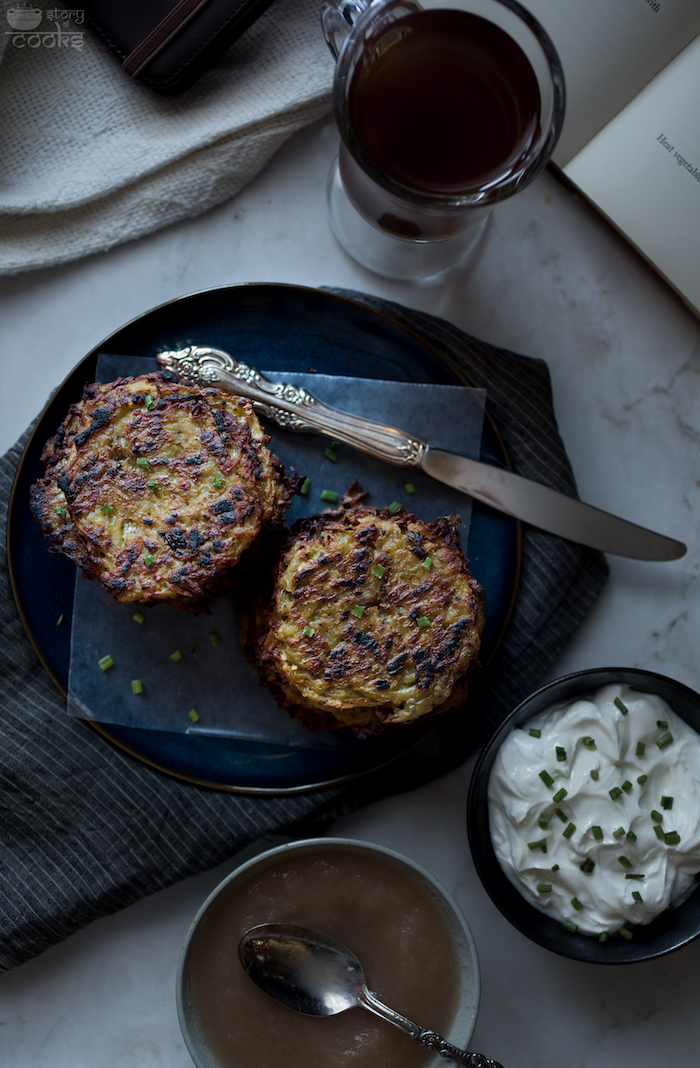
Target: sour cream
575,800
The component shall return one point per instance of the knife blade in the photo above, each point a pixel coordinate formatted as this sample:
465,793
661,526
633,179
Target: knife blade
548,509
295,409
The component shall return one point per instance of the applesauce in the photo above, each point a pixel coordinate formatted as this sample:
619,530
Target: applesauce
362,897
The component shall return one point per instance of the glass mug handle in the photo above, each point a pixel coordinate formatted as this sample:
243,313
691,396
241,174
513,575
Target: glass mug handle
337,19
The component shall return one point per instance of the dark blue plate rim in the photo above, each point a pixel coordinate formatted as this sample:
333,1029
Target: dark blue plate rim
165,751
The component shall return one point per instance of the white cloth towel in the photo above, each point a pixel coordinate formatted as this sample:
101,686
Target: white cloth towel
90,158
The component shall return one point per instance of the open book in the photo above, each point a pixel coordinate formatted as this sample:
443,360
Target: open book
631,137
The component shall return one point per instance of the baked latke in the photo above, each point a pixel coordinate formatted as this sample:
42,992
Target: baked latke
156,488
373,621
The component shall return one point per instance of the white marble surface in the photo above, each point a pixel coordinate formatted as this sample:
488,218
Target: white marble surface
551,280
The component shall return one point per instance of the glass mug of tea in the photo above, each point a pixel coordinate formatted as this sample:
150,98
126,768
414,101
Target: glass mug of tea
444,107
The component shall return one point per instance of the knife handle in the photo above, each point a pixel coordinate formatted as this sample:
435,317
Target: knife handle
290,406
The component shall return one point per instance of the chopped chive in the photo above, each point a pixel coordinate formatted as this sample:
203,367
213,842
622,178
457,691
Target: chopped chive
576,903
656,816
544,818
587,866
141,461
305,487
149,559
641,746
595,775
546,778
626,934
562,816
59,621
410,488
619,833
215,638
541,844
194,649
635,875
615,792
623,708
177,655
152,486
218,482
555,867
423,621
544,888
107,508
194,715
662,724
569,926
329,495
138,617
659,831
597,833
106,662
379,571
631,836
664,740
625,862
637,896
428,563
559,795
642,779
359,610
603,937
569,830
136,686
667,802
394,507
589,743
627,786
150,403
308,632
672,838
534,733
61,512
331,455
561,753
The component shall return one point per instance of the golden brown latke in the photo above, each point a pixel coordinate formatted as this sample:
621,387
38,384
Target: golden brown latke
156,488
373,621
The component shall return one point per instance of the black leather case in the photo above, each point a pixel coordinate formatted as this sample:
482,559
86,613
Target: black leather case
178,41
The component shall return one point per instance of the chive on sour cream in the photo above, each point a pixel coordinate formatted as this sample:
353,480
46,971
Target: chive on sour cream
594,809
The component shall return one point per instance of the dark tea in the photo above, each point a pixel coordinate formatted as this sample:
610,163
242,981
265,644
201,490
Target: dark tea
444,102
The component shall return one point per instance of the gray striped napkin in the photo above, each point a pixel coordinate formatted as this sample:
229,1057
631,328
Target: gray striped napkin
85,829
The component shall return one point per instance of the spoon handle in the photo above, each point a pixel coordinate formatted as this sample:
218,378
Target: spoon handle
429,1039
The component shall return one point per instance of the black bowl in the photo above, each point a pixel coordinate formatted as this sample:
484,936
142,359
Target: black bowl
669,931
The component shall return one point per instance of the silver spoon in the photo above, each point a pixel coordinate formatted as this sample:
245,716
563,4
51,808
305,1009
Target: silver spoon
319,976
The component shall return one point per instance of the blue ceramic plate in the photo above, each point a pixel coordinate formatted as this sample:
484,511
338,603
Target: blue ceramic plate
291,329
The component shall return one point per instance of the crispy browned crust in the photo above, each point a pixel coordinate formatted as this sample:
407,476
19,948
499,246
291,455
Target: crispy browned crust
155,488
383,668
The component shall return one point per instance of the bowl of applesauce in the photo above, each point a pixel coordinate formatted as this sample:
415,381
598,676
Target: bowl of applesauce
414,944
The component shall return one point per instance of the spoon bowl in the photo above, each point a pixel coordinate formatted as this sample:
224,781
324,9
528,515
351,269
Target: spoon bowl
302,969
317,975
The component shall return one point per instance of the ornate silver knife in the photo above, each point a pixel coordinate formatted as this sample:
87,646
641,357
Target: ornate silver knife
295,409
